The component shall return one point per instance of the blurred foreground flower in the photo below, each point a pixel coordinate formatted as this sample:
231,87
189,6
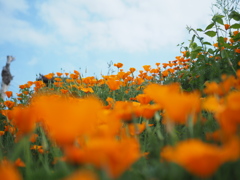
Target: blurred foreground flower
8,171
178,105
114,156
67,118
82,175
200,158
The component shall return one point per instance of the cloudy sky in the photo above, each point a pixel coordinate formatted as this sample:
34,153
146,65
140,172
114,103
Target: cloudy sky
65,35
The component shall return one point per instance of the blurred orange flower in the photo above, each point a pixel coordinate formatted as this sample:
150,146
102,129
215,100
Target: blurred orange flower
49,76
197,157
227,26
58,79
132,70
33,138
67,118
87,90
237,50
9,104
114,156
125,110
178,105
114,84
23,118
64,91
82,175
8,93
147,67
228,116
59,74
19,163
25,92
118,65
2,133
143,98
9,172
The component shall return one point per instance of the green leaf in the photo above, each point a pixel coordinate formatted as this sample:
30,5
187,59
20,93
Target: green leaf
197,49
211,51
193,55
221,39
211,33
209,26
192,41
234,15
218,18
235,26
224,53
220,21
199,30
207,43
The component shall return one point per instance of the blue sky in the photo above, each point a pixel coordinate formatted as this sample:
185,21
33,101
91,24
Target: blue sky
65,35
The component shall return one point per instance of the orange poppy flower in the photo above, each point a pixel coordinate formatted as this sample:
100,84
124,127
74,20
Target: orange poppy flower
19,163
49,76
143,98
64,91
8,93
132,70
114,84
211,88
138,80
23,118
22,86
10,129
58,84
147,67
112,155
82,175
9,104
237,50
135,128
187,153
147,111
30,83
228,116
25,92
235,33
66,119
178,105
118,65
125,110
9,171
69,80
74,76
165,73
87,90
157,64
2,133
58,79
76,72
226,26
59,74
33,138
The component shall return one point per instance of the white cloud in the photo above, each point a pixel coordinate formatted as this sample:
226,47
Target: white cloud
17,30
122,24
129,25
